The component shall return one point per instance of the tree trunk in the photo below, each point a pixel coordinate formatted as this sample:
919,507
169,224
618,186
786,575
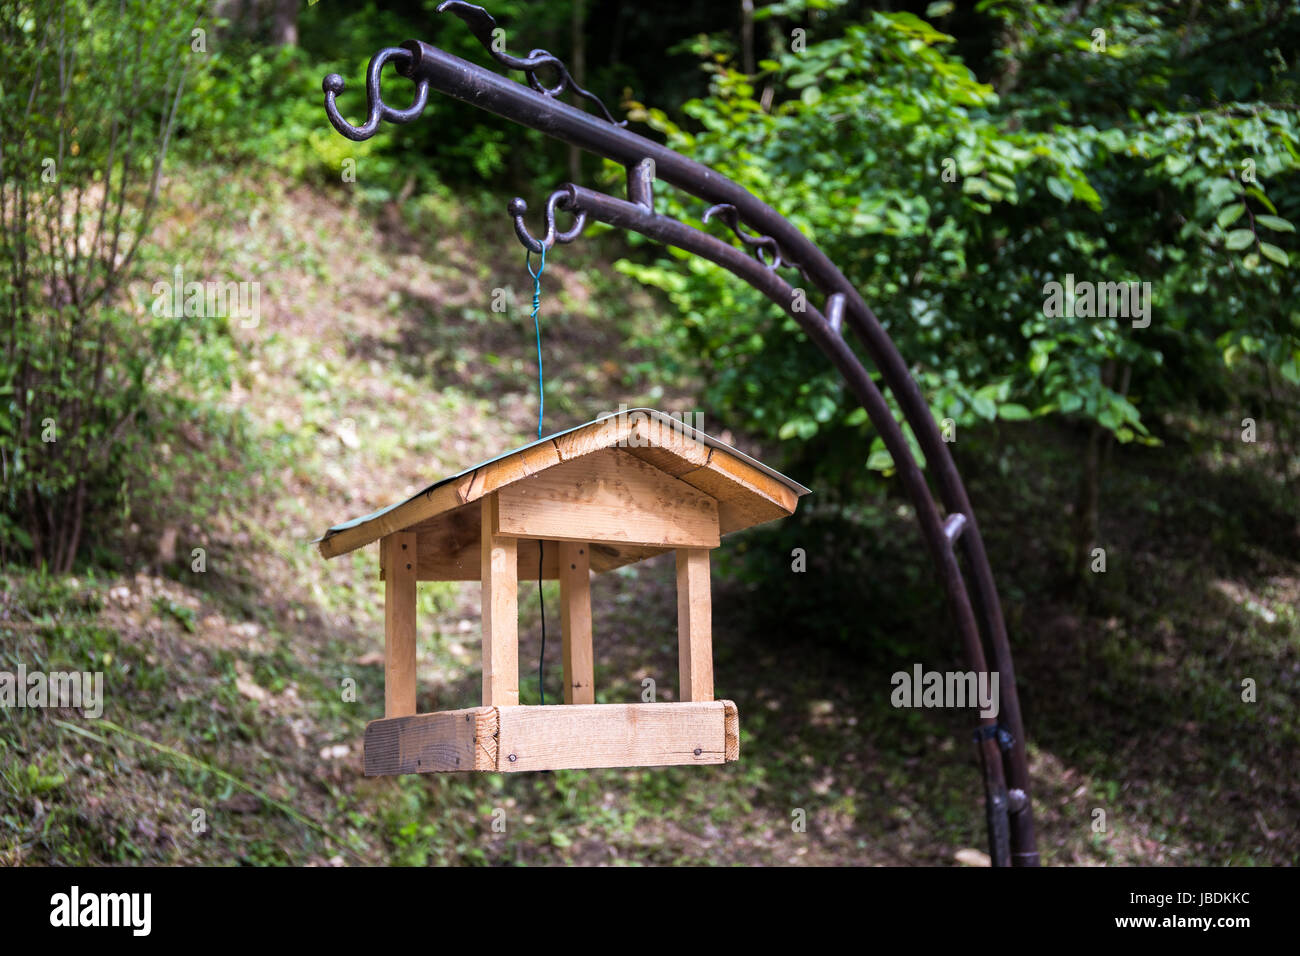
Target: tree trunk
1278,414
747,36
1125,377
1085,512
285,24
578,70
74,534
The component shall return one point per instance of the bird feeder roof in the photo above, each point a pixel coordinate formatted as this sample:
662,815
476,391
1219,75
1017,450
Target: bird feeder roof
655,458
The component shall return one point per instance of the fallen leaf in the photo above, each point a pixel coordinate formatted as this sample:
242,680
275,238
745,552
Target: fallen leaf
973,857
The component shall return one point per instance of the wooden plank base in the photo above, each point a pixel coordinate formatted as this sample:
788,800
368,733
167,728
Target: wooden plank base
442,742
513,739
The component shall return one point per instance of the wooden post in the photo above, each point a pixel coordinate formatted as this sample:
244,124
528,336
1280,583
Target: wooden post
575,618
399,561
694,624
500,577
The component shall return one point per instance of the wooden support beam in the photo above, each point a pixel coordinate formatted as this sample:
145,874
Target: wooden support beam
611,735
555,737
733,730
433,743
399,559
694,625
575,619
450,544
500,576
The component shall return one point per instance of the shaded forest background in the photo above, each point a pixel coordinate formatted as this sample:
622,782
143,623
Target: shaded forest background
164,473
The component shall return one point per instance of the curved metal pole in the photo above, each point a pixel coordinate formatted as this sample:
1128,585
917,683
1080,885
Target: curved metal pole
1009,812
937,535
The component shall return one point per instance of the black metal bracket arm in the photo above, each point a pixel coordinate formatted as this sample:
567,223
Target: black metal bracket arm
775,243
765,248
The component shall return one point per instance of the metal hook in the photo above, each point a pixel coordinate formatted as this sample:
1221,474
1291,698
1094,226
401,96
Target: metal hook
379,110
539,58
561,199
484,27
766,249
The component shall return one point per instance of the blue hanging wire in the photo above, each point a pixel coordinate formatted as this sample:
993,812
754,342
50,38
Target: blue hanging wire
537,327
541,407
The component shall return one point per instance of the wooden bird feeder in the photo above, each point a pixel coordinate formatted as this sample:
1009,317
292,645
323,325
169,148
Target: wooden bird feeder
606,494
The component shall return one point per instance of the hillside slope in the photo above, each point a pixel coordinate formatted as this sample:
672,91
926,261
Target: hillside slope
379,365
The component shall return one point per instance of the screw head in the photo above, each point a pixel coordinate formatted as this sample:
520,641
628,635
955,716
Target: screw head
512,758
698,751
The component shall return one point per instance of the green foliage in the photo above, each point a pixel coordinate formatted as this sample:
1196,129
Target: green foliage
951,203
184,616
261,103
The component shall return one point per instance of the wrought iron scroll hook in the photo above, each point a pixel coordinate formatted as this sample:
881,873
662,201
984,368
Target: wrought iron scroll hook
379,110
562,198
763,246
485,30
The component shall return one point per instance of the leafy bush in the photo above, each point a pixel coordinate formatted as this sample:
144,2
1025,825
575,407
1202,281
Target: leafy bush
89,95
263,104
952,205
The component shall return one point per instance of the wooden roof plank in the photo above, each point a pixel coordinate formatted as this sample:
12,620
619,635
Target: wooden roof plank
432,502
747,492
495,475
